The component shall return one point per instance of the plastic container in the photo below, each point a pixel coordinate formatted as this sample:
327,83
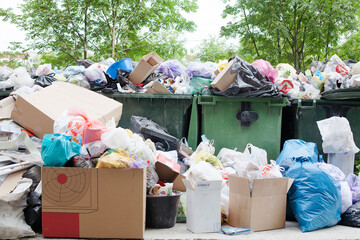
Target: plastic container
161,211
123,64
234,122
168,110
299,119
344,161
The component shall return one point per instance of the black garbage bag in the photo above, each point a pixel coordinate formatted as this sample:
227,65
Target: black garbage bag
249,82
45,80
33,212
34,173
352,216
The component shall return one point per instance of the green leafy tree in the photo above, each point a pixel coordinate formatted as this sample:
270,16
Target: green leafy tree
294,31
215,49
109,28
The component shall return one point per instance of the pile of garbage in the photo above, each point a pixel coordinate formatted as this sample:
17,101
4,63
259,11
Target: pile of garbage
233,77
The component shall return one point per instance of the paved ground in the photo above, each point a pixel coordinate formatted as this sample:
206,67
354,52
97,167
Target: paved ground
291,232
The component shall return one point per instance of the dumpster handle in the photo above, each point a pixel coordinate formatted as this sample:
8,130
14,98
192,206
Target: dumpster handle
211,102
300,105
283,104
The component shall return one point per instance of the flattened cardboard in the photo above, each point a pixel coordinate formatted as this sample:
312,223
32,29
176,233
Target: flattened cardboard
224,78
203,206
10,182
145,67
264,208
6,107
93,202
158,88
38,111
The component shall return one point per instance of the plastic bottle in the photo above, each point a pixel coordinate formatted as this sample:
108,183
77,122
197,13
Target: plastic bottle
206,91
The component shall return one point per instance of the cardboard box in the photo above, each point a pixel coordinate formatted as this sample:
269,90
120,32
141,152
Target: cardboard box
158,88
225,78
93,202
264,208
166,169
145,67
203,206
38,111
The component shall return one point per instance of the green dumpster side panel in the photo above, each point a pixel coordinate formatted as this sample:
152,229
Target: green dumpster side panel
303,115
219,122
169,110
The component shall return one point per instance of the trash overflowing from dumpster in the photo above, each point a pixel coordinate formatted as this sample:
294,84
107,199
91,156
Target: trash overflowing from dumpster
68,167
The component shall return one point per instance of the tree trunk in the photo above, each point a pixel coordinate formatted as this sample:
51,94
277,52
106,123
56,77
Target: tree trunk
252,37
85,31
295,39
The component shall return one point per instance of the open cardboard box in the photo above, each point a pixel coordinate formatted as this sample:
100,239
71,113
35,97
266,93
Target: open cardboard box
158,88
38,111
93,202
262,209
224,78
145,67
169,171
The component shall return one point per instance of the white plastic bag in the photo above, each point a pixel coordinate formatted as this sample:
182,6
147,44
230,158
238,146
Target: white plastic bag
337,135
202,171
12,219
95,73
4,73
355,69
229,157
355,80
18,78
43,69
206,145
337,65
116,138
79,79
257,155
73,70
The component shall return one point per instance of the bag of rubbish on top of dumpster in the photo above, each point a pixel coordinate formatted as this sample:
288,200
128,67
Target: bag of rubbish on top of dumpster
249,82
95,73
73,70
45,80
266,69
317,66
337,65
314,197
198,69
295,148
352,216
339,176
18,78
171,68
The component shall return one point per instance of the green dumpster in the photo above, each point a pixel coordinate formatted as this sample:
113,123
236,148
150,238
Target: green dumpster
172,111
299,119
235,122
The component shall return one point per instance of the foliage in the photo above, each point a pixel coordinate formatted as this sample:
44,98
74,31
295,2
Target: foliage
293,31
214,49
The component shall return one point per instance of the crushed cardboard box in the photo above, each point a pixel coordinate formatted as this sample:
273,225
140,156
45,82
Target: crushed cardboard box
158,88
262,209
225,78
37,112
145,67
93,202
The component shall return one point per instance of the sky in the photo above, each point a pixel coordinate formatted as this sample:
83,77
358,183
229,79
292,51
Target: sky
208,20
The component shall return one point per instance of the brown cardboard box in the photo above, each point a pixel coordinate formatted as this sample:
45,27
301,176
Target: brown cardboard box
93,202
38,111
158,88
145,67
170,172
264,208
224,78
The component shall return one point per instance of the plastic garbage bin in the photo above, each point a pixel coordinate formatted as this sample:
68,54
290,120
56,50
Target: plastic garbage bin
299,119
161,211
234,122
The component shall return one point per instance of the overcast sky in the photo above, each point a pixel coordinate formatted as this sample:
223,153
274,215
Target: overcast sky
208,20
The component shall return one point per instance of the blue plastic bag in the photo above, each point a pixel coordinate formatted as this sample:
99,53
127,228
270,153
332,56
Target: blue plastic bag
295,148
57,149
314,197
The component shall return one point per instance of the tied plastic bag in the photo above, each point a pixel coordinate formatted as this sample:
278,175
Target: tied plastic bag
314,197
266,69
18,78
271,170
229,157
206,145
79,79
95,73
354,184
171,68
337,65
352,216
337,135
73,70
44,69
198,69
339,176
255,155
57,149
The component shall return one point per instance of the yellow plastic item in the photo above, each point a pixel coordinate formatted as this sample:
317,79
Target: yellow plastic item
114,158
129,132
207,157
221,67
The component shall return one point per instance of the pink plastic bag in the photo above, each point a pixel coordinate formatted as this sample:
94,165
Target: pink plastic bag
266,69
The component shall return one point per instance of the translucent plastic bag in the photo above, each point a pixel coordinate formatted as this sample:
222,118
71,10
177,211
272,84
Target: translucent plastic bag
198,84
114,158
207,157
355,70
57,149
354,184
73,70
79,79
171,68
337,65
43,70
116,138
255,155
206,145
317,66
18,78
4,73
337,135
314,197
197,69
229,157
203,171
95,73
266,69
